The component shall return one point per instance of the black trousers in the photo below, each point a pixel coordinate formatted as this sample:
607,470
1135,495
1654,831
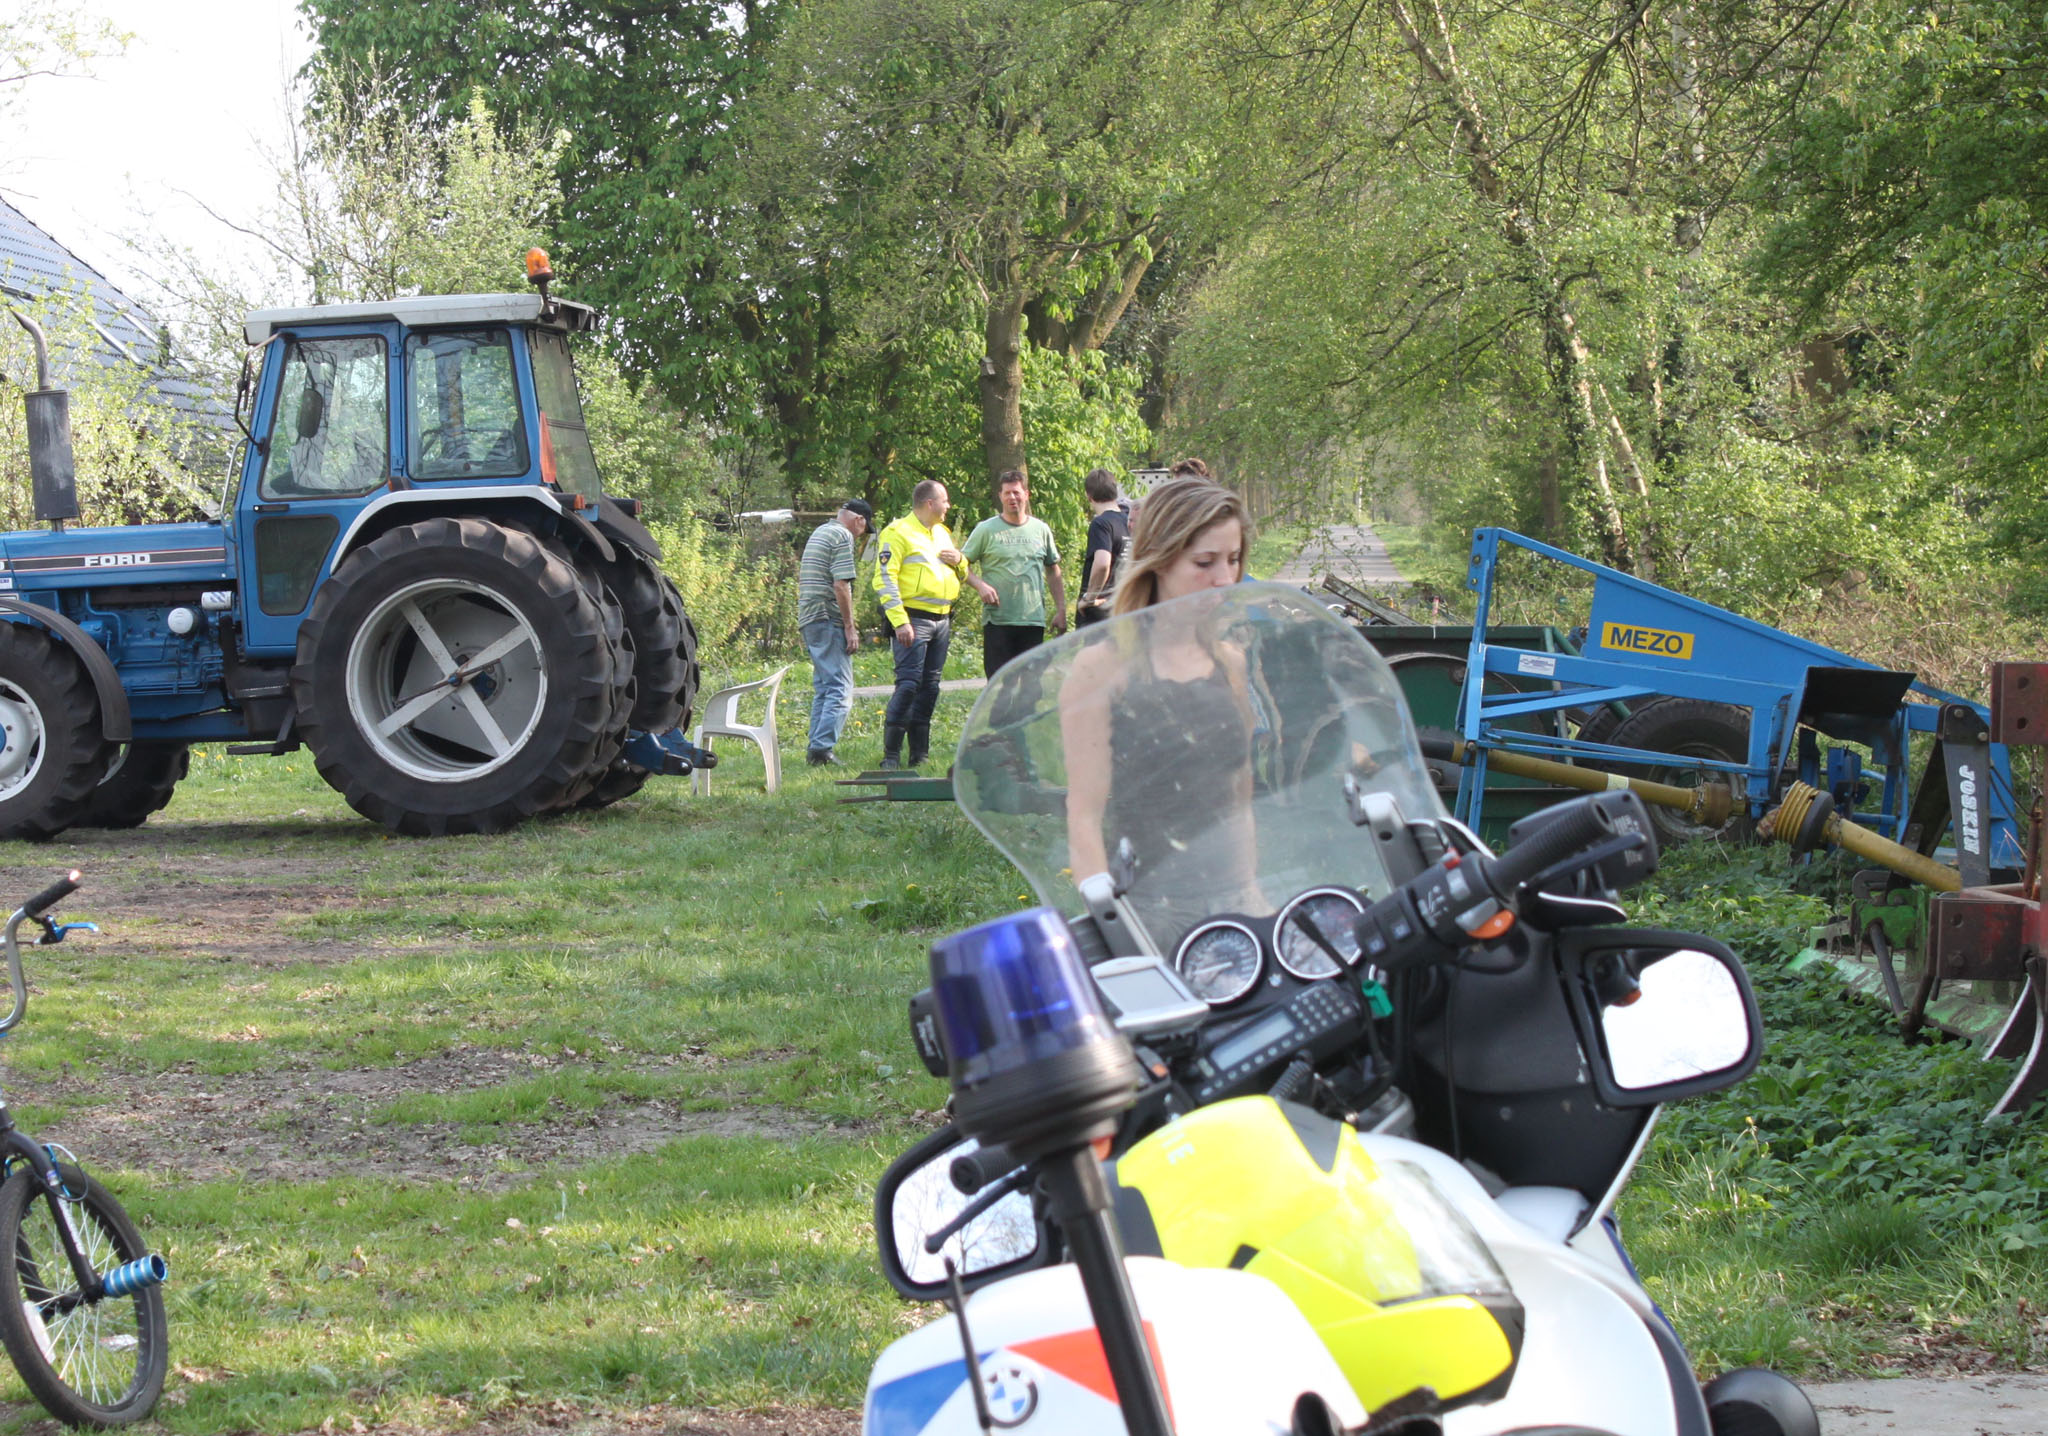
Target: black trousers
919,665
1000,642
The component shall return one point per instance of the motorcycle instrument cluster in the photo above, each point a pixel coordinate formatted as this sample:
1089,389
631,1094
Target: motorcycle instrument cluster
1222,958
1221,961
1334,914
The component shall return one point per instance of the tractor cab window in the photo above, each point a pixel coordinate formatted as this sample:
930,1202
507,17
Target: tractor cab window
565,457
464,422
331,435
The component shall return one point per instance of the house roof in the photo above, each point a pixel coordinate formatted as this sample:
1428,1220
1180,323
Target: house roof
35,266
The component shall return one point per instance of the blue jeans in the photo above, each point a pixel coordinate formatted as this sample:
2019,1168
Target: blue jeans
831,681
919,665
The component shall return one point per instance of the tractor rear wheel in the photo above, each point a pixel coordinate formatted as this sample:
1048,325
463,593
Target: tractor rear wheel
455,676
53,755
664,641
141,783
624,681
1686,728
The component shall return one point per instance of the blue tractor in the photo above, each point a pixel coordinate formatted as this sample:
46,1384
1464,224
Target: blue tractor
416,575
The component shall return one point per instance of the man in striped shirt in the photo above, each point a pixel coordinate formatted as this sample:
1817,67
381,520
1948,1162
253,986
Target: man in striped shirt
824,615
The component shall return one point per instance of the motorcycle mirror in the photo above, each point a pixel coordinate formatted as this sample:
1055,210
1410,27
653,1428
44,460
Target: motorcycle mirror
917,1197
1660,1015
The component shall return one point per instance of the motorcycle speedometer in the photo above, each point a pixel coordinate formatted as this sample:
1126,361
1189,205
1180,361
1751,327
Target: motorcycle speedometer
1335,915
1220,960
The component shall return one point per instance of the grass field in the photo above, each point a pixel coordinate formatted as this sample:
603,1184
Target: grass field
588,1116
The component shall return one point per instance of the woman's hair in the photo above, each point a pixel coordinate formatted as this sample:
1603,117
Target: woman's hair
1169,520
1189,469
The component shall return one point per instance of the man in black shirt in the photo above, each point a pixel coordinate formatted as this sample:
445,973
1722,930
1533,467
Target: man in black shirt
1109,536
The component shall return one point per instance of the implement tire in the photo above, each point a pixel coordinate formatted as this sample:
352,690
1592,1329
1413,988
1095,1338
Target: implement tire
1686,728
409,616
53,754
141,783
664,641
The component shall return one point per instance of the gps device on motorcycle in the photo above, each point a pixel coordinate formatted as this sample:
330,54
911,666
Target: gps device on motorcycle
1147,998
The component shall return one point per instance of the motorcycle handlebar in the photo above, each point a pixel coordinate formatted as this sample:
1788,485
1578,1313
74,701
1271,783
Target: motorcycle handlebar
972,1171
1577,827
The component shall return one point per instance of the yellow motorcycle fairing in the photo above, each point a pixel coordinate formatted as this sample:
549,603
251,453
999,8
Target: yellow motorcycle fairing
1390,1275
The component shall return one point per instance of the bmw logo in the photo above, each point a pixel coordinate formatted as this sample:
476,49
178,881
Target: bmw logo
1011,1392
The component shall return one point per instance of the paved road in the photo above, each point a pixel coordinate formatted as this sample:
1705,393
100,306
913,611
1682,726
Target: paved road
1351,551
1978,1406
950,685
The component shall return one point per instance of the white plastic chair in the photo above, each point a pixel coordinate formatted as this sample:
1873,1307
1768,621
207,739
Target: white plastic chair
721,719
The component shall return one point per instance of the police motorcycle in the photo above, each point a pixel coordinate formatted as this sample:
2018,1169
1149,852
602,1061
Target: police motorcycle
1292,1109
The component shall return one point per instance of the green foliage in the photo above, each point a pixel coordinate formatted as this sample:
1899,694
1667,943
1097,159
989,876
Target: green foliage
1911,218
1843,1111
730,594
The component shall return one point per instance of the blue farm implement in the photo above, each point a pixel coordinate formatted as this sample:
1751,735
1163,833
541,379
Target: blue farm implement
1723,721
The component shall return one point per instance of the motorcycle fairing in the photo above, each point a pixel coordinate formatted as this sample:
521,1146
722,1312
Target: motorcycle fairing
1234,1356
1386,1271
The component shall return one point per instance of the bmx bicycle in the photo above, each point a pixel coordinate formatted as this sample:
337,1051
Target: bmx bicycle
81,1300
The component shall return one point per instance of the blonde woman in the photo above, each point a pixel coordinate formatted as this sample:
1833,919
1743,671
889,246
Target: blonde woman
1158,738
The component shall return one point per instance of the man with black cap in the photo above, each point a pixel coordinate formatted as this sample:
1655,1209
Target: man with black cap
824,615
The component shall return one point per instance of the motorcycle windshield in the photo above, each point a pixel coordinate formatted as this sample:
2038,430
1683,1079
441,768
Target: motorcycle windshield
1196,751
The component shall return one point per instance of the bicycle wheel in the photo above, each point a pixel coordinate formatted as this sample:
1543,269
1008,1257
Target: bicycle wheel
96,1365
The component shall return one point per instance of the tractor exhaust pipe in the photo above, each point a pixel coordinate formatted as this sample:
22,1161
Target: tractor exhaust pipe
1707,805
53,471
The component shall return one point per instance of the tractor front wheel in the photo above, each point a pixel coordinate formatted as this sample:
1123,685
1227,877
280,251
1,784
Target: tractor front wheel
455,676
52,756
142,782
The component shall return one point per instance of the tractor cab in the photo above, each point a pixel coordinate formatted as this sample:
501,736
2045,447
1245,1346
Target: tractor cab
366,414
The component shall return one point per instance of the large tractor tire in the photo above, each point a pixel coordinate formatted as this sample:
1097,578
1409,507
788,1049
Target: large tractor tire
1686,728
141,783
53,754
455,676
624,684
664,641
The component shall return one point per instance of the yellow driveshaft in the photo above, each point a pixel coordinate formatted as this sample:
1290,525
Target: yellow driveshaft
1707,805
1805,817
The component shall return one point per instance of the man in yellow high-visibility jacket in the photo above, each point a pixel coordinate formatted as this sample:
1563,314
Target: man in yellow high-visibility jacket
917,578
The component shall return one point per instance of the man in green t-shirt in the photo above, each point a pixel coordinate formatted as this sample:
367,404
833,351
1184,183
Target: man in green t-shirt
1017,558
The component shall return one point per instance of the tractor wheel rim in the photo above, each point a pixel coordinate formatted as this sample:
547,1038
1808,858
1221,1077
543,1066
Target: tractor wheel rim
446,680
22,757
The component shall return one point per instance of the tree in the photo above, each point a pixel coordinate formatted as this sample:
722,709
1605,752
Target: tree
1542,190
44,39
1912,232
1015,161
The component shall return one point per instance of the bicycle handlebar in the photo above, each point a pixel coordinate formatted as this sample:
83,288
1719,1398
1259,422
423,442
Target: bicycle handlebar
34,908
55,893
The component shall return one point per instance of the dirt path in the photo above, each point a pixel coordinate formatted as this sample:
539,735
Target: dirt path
159,894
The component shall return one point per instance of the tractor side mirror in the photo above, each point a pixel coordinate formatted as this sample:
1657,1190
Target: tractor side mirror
1660,1015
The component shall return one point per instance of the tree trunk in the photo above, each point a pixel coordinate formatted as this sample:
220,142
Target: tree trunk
1590,421
1002,383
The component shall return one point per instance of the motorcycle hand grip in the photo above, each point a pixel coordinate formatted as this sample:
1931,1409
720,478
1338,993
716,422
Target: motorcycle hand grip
1579,824
55,893
971,1171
